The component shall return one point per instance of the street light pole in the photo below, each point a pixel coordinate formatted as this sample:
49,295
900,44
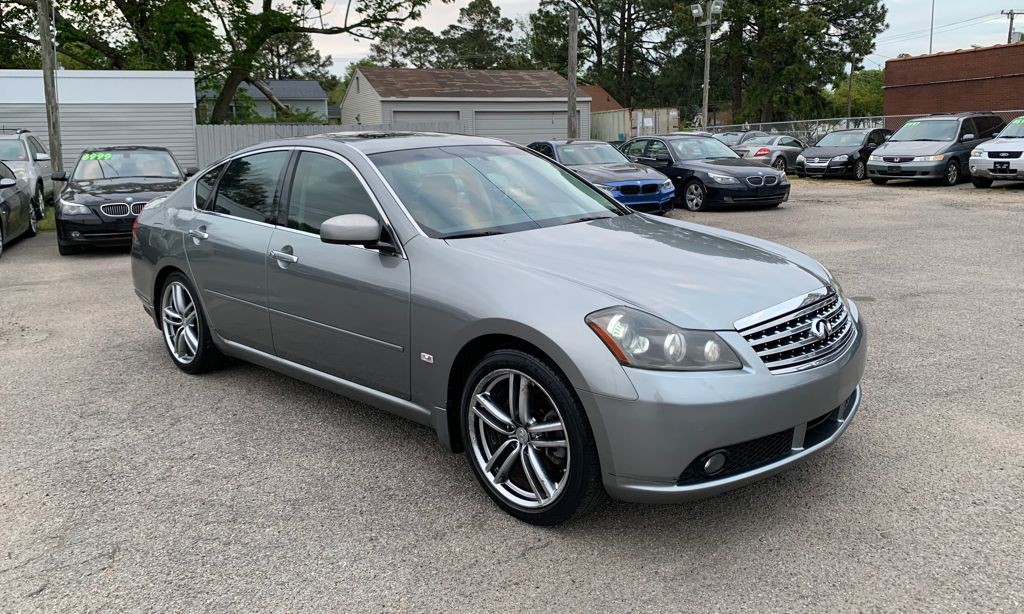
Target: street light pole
708,12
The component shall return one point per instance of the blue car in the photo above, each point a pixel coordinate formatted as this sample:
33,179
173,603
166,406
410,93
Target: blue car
634,185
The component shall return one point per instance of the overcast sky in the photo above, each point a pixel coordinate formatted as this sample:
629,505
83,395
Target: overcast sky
958,25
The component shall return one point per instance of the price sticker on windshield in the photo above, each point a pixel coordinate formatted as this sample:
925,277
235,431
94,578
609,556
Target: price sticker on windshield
912,124
1019,120
97,156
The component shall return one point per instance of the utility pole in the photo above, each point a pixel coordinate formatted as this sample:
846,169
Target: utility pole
573,129
849,91
1010,13
931,29
708,14
50,84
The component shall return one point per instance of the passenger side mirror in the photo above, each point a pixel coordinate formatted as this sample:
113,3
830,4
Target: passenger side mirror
7,183
41,157
192,170
887,137
872,145
350,229
59,176
967,137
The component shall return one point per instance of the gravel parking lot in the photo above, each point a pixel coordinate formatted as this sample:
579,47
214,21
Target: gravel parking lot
125,484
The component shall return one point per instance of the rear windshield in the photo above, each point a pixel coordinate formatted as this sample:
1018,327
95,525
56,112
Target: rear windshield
12,150
128,163
760,140
700,148
589,153
842,139
929,130
729,138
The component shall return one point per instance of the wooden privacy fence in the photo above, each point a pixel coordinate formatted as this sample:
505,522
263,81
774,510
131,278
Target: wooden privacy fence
213,142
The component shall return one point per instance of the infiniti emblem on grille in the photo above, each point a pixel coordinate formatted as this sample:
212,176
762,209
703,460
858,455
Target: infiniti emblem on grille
820,328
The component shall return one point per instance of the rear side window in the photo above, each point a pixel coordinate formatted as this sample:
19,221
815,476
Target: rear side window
36,144
636,148
988,126
204,188
322,188
248,188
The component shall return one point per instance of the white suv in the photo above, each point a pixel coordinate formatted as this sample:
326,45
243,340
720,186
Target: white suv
1000,158
25,155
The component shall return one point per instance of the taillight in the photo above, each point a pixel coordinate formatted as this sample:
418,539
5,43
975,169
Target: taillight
761,152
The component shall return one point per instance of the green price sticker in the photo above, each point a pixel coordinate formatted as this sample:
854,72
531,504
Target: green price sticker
1019,120
96,156
913,124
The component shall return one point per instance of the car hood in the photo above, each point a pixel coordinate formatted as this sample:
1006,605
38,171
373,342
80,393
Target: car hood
738,167
99,191
912,148
610,173
680,272
828,152
1002,145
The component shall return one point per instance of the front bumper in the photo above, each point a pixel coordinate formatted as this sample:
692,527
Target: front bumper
907,170
650,446
742,194
825,169
91,230
985,168
650,203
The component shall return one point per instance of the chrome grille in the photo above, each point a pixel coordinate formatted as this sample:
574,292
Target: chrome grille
771,180
755,180
137,208
760,180
115,209
1006,155
898,159
795,340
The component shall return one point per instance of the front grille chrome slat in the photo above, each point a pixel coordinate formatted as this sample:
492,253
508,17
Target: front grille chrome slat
115,209
810,335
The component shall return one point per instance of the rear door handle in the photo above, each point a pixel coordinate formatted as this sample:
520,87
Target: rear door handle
284,256
198,234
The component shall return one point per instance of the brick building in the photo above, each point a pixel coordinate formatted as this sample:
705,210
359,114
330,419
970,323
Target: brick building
982,79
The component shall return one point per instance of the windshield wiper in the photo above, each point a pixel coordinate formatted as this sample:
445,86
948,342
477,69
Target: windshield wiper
477,233
589,218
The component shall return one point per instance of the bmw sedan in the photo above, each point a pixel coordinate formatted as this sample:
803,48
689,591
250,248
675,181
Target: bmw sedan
532,321
106,191
17,213
634,185
706,173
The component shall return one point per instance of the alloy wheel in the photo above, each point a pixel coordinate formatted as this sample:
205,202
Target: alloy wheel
952,173
40,208
33,227
518,439
860,171
694,197
180,323
780,165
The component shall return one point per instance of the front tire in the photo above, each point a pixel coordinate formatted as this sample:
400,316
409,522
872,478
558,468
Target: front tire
981,182
33,229
695,196
184,328
528,440
952,176
860,170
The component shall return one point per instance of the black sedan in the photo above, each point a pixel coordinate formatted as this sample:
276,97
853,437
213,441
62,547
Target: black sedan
841,153
107,191
707,173
17,215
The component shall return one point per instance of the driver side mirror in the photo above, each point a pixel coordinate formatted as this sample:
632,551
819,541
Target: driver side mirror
7,183
872,145
967,137
59,176
357,229
41,157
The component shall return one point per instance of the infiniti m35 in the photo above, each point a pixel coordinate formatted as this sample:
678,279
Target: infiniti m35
569,346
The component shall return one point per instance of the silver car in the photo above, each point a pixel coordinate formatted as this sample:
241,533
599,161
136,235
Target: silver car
1001,158
27,157
534,323
778,151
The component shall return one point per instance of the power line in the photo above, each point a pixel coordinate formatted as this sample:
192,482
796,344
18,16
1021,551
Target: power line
949,27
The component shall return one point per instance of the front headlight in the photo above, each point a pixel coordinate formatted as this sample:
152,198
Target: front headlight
842,158
801,158
978,153
722,178
938,158
607,188
666,185
874,158
69,208
640,340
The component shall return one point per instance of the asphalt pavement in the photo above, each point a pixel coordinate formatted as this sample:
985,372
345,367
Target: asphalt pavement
128,485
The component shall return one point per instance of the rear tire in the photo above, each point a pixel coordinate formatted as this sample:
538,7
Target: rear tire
877,181
536,460
39,203
981,182
33,229
780,164
183,324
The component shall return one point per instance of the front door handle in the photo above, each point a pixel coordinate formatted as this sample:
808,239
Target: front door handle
198,234
284,256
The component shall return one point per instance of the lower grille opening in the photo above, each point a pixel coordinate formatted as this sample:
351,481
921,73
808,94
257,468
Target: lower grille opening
741,457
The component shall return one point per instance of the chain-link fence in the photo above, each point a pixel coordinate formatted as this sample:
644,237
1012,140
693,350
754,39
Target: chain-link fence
810,130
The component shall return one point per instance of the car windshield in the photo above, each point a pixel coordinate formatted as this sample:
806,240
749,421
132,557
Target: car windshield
12,150
126,163
701,148
1013,130
455,192
760,140
589,153
929,130
841,139
730,138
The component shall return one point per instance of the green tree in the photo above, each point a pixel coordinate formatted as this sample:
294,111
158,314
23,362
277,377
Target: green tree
480,39
291,56
867,94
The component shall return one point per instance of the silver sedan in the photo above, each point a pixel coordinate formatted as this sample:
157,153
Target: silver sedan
778,151
534,323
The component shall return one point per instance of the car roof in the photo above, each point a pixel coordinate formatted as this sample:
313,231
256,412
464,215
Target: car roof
673,137
125,148
858,130
372,142
575,141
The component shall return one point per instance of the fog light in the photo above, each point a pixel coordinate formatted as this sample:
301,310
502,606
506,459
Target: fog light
75,234
974,169
715,462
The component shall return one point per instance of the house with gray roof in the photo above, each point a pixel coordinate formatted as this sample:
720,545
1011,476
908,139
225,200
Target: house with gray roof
519,105
299,95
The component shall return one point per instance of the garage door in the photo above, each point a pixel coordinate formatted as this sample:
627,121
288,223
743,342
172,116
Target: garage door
426,116
522,126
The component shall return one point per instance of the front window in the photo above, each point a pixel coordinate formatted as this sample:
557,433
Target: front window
589,153
841,139
126,163
929,130
730,138
12,151
701,148
487,189
1013,130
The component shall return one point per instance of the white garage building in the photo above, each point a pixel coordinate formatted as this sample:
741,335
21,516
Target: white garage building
518,105
103,108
